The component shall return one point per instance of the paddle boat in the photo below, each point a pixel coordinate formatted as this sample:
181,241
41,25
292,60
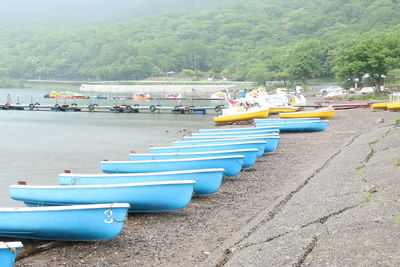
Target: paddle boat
242,115
65,95
322,113
141,96
232,165
66,223
234,130
172,95
301,126
143,197
207,180
227,134
250,155
259,145
8,253
278,121
271,141
383,105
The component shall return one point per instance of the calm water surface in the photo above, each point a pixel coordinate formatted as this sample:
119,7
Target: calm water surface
38,145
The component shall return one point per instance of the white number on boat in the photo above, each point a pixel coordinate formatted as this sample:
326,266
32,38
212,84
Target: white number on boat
109,215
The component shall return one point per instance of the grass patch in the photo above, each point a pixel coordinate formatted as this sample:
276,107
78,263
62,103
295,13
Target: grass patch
368,196
397,121
360,173
398,220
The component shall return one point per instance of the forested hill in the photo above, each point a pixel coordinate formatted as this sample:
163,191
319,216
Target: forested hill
238,39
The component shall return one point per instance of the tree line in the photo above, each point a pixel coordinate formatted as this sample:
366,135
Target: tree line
293,40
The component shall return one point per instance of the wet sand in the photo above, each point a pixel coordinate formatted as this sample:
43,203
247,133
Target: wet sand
189,236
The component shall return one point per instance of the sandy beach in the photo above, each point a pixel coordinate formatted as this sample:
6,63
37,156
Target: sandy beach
212,228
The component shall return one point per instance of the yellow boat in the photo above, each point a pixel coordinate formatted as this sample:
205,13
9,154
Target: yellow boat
322,113
383,105
283,109
242,116
394,106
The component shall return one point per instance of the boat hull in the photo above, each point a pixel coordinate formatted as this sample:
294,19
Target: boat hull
142,197
72,223
322,114
208,148
393,107
275,110
232,165
384,105
241,117
8,253
236,130
271,142
250,155
305,126
279,121
244,133
208,181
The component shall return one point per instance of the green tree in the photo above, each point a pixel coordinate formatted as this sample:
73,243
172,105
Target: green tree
373,56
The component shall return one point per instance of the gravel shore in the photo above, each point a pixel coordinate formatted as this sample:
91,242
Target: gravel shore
189,236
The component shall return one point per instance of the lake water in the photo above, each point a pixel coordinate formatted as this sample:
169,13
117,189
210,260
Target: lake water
38,145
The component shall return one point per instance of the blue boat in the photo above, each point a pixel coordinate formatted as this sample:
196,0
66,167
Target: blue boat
143,197
302,126
278,121
250,155
271,141
243,133
67,223
233,130
227,134
232,165
207,181
8,253
259,145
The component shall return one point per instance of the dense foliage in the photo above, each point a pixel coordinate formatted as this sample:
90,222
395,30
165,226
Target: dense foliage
255,40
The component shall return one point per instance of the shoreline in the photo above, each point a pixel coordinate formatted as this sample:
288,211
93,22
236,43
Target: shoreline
197,235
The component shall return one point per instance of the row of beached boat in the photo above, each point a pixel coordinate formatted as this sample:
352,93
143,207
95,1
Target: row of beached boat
94,206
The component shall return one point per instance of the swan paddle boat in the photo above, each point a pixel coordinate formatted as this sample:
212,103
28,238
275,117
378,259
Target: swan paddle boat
322,113
232,165
67,223
259,145
8,253
250,155
207,180
301,126
237,129
271,141
143,197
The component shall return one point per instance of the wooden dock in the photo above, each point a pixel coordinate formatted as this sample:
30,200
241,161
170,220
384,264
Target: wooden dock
136,108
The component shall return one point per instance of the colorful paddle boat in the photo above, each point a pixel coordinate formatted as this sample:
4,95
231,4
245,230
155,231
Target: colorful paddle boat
301,126
259,145
234,130
207,180
8,253
271,141
250,155
322,113
67,223
232,165
143,197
